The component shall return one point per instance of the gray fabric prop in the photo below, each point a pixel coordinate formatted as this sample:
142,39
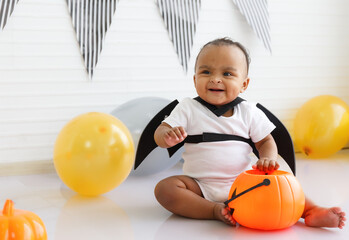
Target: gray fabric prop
91,20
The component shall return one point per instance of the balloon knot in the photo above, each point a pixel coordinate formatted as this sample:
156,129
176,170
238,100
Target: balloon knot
307,151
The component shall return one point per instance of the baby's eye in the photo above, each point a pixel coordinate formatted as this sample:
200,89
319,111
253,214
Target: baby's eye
205,72
227,74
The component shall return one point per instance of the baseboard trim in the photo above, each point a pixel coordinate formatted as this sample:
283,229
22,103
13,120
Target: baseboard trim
27,168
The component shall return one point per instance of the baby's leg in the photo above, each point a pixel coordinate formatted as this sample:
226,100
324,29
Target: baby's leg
182,196
315,216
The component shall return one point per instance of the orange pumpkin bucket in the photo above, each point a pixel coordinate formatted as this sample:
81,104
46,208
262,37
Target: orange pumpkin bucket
19,224
266,201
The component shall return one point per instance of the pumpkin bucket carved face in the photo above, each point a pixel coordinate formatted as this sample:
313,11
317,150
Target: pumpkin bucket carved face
266,202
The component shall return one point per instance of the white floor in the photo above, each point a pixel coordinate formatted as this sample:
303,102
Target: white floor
131,212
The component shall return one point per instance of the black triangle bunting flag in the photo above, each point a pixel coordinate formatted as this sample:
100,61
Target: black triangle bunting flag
180,18
6,9
91,20
257,16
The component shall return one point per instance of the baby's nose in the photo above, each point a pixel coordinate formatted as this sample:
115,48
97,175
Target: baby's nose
215,79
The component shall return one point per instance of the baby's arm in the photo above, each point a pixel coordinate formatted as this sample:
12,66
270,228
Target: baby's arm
165,136
267,154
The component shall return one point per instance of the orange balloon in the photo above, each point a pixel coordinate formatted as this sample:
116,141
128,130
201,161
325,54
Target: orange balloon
266,202
321,126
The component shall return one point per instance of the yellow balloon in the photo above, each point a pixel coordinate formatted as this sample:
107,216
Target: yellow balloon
93,153
321,126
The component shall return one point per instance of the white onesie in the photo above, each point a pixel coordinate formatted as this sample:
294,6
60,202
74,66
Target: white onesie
215,165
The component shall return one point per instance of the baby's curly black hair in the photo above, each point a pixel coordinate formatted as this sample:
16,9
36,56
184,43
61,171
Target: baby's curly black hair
227,42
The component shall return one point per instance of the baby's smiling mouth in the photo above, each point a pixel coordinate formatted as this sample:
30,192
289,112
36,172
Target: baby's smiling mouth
215,90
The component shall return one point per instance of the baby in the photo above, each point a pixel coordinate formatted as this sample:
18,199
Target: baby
210,168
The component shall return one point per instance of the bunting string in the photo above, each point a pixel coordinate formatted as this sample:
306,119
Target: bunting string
91,20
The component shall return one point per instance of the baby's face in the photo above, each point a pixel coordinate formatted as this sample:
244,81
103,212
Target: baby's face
220,74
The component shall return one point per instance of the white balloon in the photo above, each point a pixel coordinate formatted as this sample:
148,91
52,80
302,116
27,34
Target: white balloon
136,114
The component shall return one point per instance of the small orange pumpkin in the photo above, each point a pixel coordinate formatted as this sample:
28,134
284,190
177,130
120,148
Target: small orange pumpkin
266,201
16,224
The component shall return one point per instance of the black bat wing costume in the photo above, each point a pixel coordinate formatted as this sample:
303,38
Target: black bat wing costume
280,134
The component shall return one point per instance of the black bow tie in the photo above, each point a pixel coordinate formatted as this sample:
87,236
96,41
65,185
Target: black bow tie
221,110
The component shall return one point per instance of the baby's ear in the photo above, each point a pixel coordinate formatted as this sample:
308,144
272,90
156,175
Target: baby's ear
245,85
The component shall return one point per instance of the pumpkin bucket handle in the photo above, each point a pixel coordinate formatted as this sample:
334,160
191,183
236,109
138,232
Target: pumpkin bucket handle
265,182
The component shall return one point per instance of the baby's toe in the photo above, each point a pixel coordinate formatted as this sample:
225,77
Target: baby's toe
337,210
341,225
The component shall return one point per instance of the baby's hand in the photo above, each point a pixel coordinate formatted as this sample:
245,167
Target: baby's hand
266,165
175,135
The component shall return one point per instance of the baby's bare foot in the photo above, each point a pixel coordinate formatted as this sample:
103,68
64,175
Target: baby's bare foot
223,214
325,217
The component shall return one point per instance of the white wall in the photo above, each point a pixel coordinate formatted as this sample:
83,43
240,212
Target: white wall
43,82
